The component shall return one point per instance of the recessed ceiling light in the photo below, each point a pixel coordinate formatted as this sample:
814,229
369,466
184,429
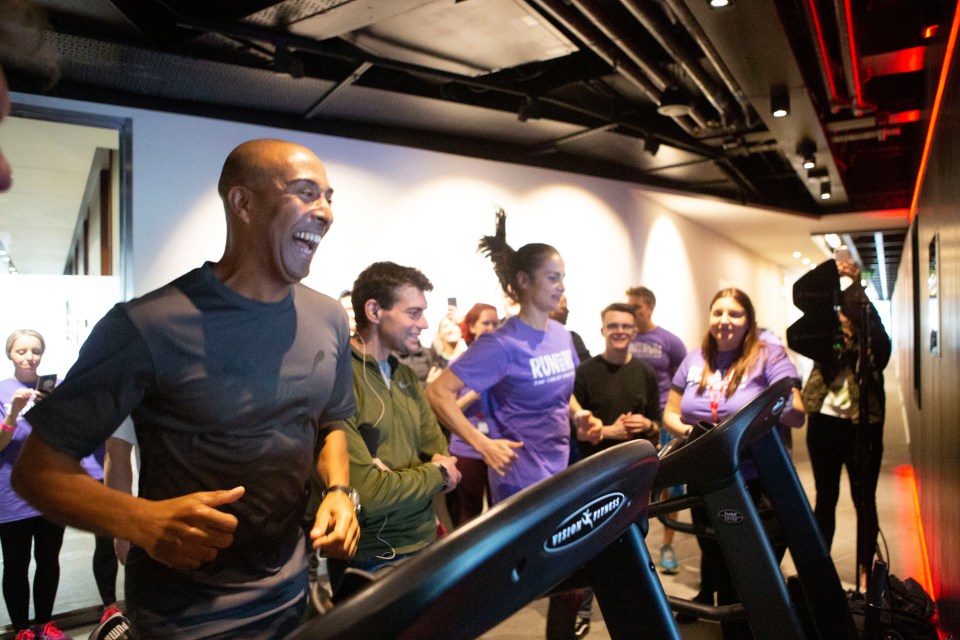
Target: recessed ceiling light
796,254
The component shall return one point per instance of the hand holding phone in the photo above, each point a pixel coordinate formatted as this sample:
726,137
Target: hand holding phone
46,384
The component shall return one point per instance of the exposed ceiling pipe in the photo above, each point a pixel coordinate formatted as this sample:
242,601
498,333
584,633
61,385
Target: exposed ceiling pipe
619,34
849,57
596,40
686,19
658,27
837,102
880,135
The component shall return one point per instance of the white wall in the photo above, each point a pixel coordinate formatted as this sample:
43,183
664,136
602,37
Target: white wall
428,210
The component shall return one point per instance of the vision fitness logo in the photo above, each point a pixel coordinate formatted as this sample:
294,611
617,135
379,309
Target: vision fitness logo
584,521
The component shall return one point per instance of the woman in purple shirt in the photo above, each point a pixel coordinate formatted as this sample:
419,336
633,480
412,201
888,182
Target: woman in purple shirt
731,368
22,526
524,372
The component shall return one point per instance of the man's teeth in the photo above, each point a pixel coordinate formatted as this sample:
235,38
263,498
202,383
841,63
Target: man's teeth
306,236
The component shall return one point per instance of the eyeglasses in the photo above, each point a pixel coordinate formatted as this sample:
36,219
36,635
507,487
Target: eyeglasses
614,326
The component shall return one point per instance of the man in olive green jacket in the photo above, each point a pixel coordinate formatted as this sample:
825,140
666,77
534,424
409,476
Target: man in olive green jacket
398,454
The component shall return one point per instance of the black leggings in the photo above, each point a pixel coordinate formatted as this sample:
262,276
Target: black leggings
832,445
16,539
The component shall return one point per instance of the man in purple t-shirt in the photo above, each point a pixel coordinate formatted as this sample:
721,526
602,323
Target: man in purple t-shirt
664,352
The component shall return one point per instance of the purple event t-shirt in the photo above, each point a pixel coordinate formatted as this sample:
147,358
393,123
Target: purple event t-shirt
474,413
527,376
664,352
773,365
12,506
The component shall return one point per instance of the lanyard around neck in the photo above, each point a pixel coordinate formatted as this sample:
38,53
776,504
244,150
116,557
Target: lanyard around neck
716,394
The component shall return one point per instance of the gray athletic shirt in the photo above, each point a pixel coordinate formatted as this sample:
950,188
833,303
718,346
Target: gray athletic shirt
223,391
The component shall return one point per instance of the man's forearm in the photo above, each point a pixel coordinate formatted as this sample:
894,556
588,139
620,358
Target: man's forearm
59,487
333,463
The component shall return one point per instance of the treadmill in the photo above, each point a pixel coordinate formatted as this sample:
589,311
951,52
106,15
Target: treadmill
708,463
585,525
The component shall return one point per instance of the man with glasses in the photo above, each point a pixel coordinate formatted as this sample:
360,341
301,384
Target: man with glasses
618,388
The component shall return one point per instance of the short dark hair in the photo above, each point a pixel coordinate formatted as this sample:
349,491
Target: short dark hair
623,307
380,282
644,294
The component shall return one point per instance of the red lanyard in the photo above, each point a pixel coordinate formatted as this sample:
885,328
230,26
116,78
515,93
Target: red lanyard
715,396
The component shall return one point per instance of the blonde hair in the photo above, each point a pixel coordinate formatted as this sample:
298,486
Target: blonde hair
19,333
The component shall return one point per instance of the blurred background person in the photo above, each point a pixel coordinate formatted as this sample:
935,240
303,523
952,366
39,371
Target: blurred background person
466,501
561,314
837,436
447,344
664,352
731,367
21,526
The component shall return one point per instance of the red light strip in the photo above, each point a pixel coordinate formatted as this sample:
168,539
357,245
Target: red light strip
854,60
907,475
935,111
831,82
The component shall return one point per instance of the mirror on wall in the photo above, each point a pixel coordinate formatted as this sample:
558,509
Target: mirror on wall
64,261
67,212
933,294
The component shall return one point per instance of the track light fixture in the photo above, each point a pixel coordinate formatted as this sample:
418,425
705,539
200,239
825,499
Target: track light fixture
825,192
807,150
674,103
651,145
779,101
529,109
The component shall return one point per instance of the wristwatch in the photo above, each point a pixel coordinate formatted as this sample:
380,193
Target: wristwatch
350,491
445,475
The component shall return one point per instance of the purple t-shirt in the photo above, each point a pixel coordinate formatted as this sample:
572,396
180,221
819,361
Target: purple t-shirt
474,413
664,352
772,365
12,506
525,377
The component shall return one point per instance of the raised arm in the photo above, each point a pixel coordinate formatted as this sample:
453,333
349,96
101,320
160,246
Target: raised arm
182,533
442,395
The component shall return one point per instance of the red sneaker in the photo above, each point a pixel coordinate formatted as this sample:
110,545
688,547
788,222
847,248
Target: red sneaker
51,632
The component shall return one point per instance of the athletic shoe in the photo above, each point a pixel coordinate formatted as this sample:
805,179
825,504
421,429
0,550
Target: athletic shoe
51,632
113,626
26,634
581,627
668,560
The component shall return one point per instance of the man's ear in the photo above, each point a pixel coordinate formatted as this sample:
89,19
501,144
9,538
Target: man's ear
371,309
240,198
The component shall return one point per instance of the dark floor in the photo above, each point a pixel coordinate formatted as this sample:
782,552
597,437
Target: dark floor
897,517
